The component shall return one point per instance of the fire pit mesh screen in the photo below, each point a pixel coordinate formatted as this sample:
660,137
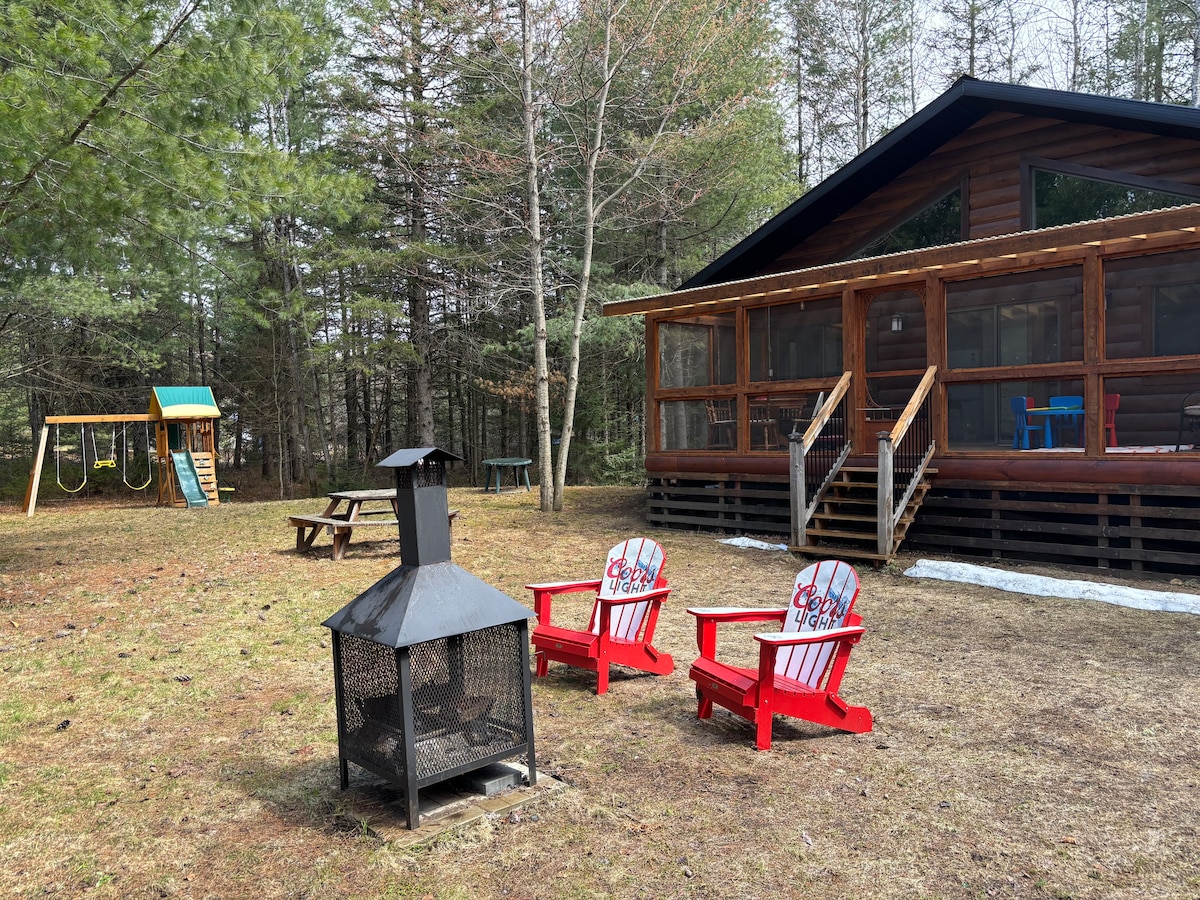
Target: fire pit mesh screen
430,474
467,698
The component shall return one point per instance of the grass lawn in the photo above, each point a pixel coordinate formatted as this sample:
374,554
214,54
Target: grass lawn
167,728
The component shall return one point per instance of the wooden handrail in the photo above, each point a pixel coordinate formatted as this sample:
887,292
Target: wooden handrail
822,415
914,404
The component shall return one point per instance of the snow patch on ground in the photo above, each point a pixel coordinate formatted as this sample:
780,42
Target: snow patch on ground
751,544
1043,586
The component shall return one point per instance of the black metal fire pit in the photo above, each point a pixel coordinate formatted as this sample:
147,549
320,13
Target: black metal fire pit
431,664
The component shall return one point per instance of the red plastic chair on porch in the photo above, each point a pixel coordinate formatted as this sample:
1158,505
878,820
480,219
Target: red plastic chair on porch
623,618
800,667
1112,402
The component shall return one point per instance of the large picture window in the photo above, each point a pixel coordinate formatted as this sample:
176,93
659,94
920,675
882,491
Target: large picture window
1062,198
796,341
938,223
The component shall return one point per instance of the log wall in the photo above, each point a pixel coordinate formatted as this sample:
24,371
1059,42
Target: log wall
988,158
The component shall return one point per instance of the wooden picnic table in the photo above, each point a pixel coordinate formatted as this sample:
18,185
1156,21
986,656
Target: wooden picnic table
340,523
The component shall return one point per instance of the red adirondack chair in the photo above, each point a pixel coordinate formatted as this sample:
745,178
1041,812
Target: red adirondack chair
621,628
800,667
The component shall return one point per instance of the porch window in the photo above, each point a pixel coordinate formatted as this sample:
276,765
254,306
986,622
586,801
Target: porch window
1152,306
1015,320
697,351
1148,416
983,416
795,341
1061,198
698,424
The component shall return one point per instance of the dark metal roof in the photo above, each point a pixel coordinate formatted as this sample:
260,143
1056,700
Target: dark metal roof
414,604
961,106
410,456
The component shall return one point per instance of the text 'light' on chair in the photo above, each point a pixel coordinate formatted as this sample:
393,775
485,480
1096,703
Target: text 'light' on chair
623,617
800,667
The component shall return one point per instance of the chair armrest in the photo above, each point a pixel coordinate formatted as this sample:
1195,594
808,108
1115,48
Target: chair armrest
565,587
737,614
656,594
544,594
707,618
796,638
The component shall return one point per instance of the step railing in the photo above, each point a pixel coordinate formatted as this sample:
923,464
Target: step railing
816,456
904,455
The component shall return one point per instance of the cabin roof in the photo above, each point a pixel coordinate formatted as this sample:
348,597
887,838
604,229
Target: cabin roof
966,102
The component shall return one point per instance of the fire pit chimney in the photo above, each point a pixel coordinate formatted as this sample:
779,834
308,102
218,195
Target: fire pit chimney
421,505
431,664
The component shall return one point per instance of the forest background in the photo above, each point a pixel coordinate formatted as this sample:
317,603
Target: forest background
369,225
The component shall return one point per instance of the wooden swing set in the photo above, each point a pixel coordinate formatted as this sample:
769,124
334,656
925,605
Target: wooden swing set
184,448
98,461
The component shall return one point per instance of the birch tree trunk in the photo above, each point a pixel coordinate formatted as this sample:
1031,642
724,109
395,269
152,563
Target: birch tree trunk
533,226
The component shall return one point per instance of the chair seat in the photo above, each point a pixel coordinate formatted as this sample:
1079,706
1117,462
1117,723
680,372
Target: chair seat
551,636
1192,411
740,684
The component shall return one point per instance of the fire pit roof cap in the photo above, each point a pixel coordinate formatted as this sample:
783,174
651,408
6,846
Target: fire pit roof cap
413,604
410,456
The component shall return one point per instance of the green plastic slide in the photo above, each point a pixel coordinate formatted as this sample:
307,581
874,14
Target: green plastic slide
189,481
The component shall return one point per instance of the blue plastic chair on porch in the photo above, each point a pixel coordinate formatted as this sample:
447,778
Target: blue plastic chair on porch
1021,427
1072,422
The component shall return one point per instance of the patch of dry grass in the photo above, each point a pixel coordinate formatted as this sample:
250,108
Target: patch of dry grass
1024,747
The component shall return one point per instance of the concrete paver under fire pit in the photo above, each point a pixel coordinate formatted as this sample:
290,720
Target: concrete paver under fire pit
378,806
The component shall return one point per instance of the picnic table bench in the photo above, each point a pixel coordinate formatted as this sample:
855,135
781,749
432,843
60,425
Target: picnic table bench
341,525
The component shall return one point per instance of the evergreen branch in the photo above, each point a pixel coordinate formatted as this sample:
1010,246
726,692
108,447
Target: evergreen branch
18,187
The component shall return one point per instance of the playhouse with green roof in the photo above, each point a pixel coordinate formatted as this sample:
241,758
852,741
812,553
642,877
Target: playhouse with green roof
184,421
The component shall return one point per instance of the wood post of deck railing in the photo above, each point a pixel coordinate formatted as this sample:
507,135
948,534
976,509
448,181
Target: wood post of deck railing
883,504
799,502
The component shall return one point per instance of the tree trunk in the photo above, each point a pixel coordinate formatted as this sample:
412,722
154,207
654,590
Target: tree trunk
533,225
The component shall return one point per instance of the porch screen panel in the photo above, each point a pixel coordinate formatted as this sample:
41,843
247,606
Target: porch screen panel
683,425
697,351
1152,306
981,417
895,338
1025,319
795,341
1148,418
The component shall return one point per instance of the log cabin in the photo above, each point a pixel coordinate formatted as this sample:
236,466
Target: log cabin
980,337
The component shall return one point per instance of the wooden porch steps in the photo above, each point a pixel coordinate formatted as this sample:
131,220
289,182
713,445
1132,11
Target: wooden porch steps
845,523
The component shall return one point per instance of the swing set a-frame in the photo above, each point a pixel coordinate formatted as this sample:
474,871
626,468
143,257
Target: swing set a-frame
184,448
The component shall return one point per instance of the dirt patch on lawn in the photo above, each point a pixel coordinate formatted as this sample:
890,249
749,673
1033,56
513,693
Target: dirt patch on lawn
167,728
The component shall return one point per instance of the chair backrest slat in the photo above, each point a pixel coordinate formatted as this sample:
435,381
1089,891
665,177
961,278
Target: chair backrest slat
633,567
822,597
